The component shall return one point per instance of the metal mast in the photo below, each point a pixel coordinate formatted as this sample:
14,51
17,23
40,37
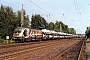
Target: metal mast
22,16
60,28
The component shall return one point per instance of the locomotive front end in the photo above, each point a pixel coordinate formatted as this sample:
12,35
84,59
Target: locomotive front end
18,34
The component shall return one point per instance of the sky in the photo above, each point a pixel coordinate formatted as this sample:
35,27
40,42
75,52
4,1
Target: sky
74,13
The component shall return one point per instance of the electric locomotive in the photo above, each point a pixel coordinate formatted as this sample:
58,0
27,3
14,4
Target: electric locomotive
25,34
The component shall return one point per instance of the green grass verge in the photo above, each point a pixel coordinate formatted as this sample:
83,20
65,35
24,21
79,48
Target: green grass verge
88,40
2,41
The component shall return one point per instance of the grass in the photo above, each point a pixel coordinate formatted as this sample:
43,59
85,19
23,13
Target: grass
3,41
88,40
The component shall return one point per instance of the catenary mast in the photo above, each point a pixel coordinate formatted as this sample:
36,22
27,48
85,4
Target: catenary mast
22,17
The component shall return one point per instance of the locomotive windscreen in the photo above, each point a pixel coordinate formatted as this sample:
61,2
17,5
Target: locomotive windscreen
17,30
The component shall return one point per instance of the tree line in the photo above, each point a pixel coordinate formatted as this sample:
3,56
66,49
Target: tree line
9,20
39,22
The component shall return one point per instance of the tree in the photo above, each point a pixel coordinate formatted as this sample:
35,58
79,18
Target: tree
51,26
45,24
2,17
9,20
26,21
60,27
35,21
88,32
56,26
71,31
38,22
18,21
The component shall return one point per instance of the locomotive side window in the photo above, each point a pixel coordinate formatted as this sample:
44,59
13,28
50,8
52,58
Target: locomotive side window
26,32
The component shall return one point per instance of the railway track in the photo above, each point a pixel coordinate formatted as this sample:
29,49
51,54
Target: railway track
6,46
42,50
17,44
14,52
21,44
23,51
74,52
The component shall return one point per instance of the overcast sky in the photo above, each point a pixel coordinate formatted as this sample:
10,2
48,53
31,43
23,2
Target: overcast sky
74,13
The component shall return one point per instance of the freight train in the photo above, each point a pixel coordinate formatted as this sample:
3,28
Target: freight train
25,34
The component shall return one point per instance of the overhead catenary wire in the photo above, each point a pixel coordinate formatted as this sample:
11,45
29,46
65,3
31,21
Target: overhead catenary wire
62,14
16,5
77,9
78,13
40,7
52,7
43,9
15,10
56,10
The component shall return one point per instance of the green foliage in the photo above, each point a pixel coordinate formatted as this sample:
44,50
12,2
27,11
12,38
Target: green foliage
88,40
57,26
25,20
60,27
71,31
6,21
1,40
51,26
38,22
88,32
9,20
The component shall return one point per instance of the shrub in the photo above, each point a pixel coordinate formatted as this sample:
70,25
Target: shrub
1,40
88,40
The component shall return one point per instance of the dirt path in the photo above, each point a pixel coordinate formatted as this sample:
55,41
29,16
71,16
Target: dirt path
88,51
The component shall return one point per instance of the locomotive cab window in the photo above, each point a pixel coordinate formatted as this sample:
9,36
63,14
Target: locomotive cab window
17,30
